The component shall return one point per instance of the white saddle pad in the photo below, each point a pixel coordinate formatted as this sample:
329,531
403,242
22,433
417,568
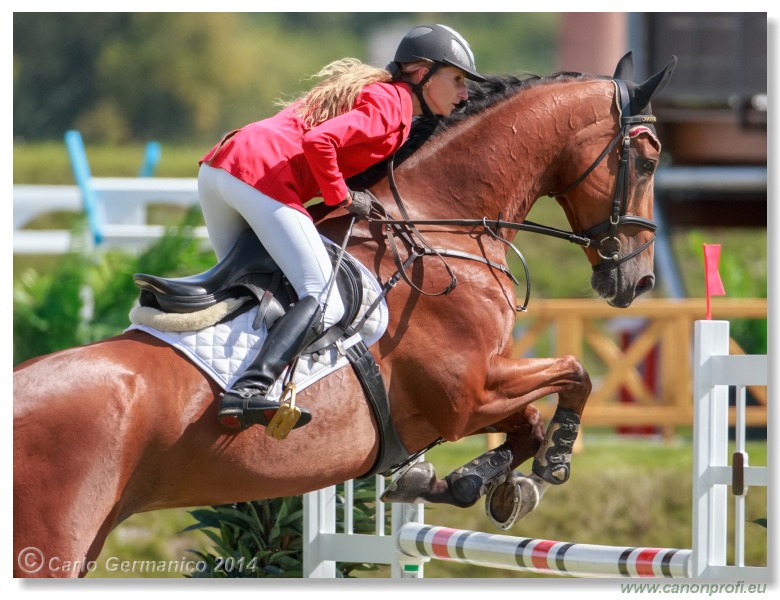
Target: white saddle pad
223,351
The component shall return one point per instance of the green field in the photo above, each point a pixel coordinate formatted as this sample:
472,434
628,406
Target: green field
623,491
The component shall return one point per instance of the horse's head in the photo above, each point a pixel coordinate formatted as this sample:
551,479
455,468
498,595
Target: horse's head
609,199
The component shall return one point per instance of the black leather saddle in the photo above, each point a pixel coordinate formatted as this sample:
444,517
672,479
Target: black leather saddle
247,270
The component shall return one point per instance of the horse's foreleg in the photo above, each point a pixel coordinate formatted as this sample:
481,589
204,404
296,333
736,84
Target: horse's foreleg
461,488
511,386
515,496
525,433
533,378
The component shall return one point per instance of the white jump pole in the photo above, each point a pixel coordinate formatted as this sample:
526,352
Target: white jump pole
541,556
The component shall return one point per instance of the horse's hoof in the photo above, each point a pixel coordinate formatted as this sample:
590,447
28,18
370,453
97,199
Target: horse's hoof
554,474
509,501
409,486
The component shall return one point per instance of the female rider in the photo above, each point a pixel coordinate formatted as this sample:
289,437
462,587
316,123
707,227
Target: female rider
261,175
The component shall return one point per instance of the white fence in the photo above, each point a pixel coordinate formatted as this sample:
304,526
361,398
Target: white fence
120,216
117,208
410,542
714,371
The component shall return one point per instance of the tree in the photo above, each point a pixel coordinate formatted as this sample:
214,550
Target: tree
190,77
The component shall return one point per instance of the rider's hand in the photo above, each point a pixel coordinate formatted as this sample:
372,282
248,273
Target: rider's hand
358,203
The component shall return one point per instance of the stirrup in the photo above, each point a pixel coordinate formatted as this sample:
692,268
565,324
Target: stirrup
240,409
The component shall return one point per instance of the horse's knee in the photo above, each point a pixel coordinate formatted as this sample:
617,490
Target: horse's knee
577,376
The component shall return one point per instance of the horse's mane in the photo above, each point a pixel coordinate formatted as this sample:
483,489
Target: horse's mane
485,94
482,96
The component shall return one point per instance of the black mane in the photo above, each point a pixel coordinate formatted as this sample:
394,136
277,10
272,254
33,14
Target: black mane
481,96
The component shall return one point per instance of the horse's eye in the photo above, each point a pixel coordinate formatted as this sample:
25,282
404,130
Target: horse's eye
647,166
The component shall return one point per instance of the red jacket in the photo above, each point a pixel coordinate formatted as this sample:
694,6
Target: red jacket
292,165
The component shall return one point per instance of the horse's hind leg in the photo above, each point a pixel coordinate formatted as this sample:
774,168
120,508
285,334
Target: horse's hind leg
468,483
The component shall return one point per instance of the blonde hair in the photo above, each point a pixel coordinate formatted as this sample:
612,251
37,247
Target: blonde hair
407,70
343,80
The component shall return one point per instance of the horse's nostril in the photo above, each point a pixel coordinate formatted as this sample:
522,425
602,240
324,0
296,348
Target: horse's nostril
645,284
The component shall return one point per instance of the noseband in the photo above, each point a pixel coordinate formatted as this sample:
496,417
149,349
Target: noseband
608,247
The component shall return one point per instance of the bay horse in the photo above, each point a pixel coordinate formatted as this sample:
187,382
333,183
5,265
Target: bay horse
128,424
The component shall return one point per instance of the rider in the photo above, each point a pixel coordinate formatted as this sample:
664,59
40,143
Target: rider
261,175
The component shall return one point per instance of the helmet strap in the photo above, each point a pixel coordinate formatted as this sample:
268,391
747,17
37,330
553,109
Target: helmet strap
417,88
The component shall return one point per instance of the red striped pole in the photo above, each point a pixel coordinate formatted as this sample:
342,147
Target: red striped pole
541,556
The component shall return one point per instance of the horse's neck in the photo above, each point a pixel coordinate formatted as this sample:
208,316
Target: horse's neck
499,162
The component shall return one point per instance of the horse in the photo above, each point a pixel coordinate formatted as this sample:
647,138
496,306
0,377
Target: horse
128,424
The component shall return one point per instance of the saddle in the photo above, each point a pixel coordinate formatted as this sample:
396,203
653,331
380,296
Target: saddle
249,271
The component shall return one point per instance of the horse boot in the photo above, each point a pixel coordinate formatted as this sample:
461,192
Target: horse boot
245,404
552,461
461,488
470,482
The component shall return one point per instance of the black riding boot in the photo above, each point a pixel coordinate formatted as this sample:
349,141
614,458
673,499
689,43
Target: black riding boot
245,403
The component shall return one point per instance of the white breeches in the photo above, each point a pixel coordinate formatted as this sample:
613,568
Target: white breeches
290,237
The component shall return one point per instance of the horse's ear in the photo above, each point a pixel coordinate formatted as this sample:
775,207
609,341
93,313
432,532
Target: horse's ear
649,89
625,67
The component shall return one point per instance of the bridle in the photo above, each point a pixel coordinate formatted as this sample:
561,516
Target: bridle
607,247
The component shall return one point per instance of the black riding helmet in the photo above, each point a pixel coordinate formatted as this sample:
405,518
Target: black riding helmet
439,44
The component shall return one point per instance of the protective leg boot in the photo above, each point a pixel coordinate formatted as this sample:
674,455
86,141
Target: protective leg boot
245,403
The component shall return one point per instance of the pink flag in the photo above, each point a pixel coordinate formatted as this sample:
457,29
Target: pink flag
711,274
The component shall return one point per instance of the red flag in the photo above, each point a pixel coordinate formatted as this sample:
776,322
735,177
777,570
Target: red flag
711,274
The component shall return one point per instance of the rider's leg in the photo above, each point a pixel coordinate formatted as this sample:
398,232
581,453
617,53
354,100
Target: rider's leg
246,403
294,243
230,205
223,222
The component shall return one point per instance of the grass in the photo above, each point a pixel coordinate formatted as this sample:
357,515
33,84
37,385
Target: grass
48,163
623,491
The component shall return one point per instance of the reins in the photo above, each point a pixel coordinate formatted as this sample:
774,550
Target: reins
608,247
407,228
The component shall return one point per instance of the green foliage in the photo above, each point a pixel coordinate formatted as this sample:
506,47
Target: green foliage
762,522
87,296
264,538
743,270
120,77
253,539
48,308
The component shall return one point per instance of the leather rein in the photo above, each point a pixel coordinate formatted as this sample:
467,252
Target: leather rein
608,248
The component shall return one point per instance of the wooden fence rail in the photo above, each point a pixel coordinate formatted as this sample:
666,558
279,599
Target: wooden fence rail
661,331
